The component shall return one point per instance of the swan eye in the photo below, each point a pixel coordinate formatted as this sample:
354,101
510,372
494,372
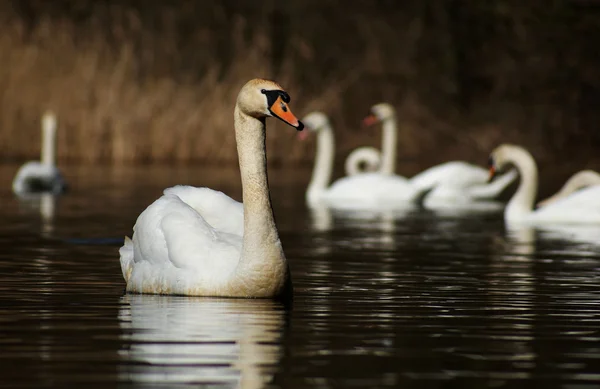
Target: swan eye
491,161
263,91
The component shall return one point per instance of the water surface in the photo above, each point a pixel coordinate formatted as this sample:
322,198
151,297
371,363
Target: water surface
412,299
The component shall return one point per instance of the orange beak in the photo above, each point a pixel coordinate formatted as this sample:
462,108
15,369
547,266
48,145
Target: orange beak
282,111
370,120
492,173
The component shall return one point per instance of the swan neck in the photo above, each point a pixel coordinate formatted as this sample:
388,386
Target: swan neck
323,167
521,204
389,142
261,248
48,144
578,181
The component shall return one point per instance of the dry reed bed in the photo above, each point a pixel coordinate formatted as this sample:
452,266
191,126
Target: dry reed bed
136,84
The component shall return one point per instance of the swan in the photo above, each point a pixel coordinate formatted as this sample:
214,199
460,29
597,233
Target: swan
454,182
580,207
41,176
201,242
579,180
364,191
362,160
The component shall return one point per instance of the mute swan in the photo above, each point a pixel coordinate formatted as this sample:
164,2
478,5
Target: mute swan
362,160
579,180
198,241
454,182
364,191
43,176
580,207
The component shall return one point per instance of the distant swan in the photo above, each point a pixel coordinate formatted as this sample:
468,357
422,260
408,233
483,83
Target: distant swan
42,176
364,191
453,182
580,207
582,179
362,160
198,241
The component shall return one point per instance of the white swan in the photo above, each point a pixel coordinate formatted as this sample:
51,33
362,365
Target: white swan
362,160
198,241
580,207
364,191
582,179
454,182
41,176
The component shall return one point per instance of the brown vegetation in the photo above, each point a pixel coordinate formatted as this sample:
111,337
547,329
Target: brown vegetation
139,81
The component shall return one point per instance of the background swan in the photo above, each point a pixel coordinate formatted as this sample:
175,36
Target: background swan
364,191
41,176
198,241
580,207
579,180
453,182
362,160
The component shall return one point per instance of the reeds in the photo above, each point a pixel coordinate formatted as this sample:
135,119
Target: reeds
141,82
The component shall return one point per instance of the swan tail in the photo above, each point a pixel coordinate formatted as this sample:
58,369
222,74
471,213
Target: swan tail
494,188
126,252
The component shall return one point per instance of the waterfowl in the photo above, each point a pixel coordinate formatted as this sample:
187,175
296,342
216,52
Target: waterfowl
579,180
363,191
199,241
580,207
453,182
41,176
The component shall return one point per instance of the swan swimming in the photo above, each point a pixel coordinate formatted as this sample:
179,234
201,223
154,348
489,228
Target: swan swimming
580,207
41,176
579,180
198,241
453,182
363,191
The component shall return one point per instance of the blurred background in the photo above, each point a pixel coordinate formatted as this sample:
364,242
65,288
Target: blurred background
138,82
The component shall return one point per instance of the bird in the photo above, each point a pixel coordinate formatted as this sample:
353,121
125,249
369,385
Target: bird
42,176
453,182
579,207
197,241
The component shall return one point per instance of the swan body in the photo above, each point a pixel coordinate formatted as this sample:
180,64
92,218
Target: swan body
458,182
41,176
362,160
582,179
198,241
454,182
363,191
580,207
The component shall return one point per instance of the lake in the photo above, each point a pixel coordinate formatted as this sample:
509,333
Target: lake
414,299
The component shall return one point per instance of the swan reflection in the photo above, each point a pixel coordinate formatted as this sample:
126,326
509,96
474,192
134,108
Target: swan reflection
42,203
172,339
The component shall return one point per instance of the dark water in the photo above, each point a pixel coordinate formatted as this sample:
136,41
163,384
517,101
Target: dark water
416,300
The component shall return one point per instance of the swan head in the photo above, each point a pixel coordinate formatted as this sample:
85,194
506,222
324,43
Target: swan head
315,121
503,156
380,113
261,98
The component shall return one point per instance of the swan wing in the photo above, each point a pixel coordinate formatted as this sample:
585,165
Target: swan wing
456,174
176,250
219,210
582,206
372,190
